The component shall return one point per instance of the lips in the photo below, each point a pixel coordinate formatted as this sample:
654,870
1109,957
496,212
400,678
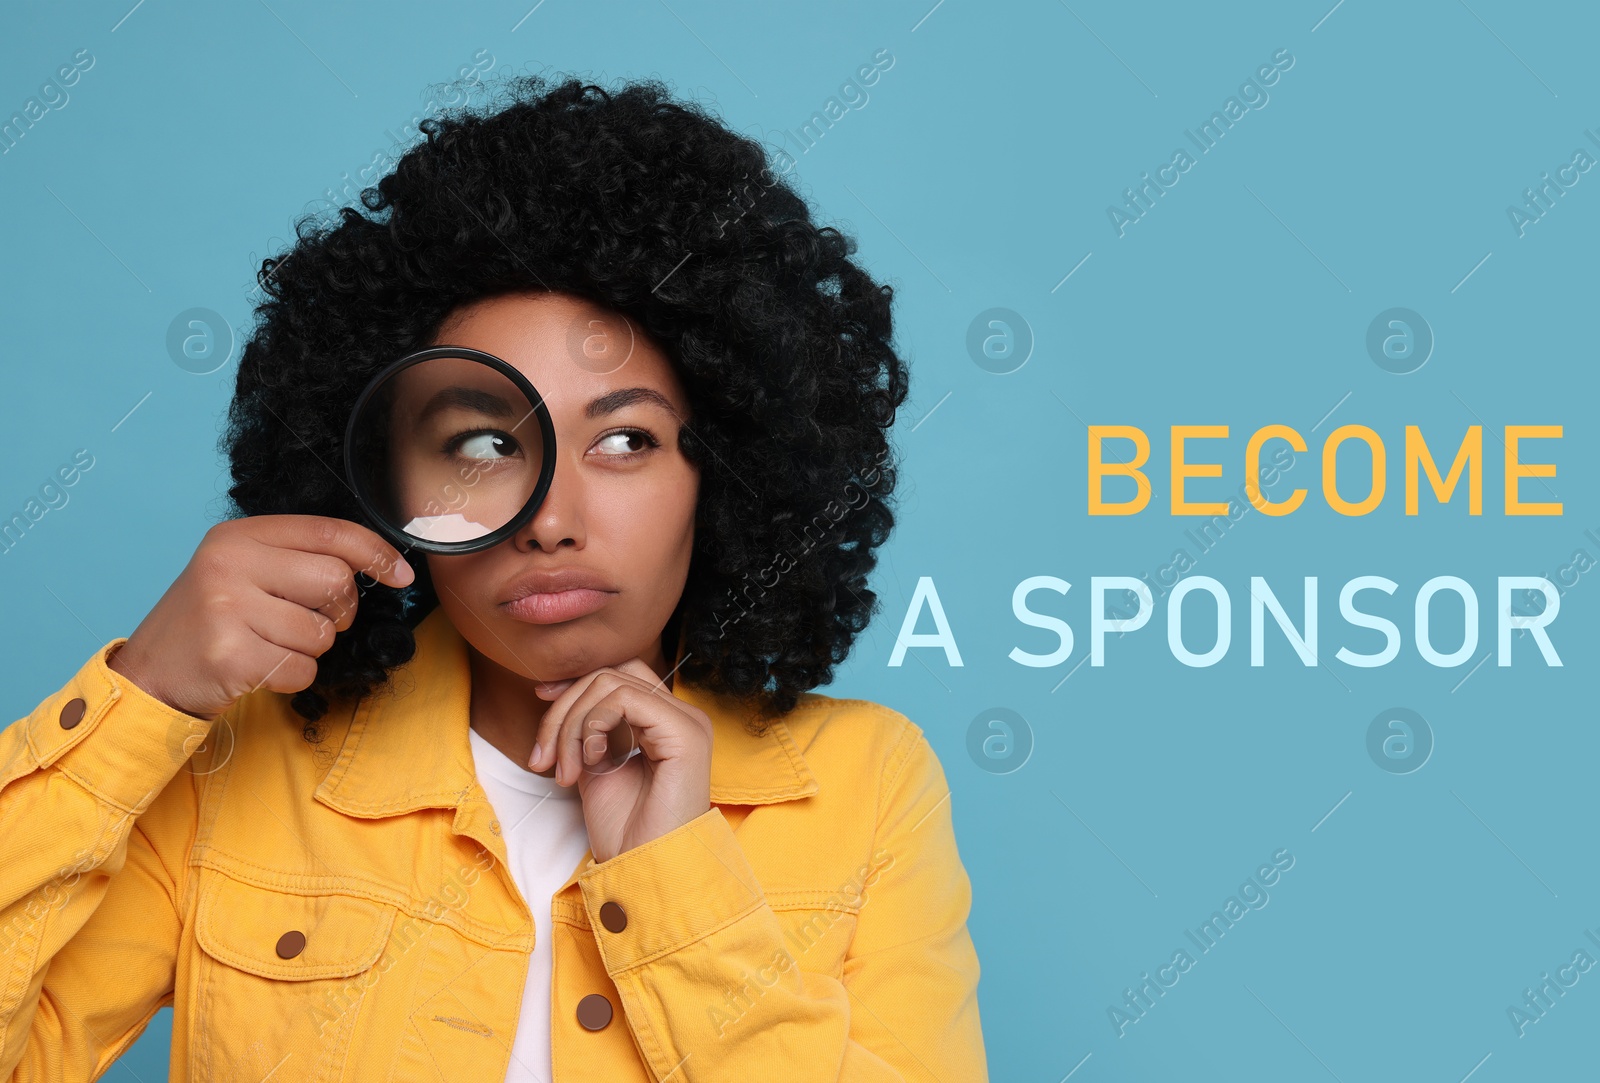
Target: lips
553,595
553,607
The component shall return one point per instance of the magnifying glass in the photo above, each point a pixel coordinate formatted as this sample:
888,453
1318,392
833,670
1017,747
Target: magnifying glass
450,450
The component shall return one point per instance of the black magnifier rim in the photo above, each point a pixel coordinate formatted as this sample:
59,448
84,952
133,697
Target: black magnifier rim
495,537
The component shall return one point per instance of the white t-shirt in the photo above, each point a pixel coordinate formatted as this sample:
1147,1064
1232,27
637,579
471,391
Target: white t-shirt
545,836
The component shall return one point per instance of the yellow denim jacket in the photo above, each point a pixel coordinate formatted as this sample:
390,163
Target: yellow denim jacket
346,912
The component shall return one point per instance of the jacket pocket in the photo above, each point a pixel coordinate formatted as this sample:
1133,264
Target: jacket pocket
273,933
281,974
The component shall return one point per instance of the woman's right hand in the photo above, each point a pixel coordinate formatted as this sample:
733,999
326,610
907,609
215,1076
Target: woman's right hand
260,600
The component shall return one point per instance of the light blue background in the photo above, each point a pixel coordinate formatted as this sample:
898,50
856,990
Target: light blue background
978,175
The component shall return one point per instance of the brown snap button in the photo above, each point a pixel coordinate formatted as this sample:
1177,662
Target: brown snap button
291,943
613,917
72,713
494,826
594,1011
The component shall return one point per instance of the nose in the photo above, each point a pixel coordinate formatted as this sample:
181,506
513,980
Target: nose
559,520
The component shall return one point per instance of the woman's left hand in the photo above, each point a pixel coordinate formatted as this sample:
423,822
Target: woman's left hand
665,786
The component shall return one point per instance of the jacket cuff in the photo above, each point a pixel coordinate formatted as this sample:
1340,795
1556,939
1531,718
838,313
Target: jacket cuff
140,745
673,890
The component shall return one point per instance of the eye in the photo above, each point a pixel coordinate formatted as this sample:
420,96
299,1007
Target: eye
484,444
620,444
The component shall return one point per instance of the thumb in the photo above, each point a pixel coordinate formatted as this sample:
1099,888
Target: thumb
551,690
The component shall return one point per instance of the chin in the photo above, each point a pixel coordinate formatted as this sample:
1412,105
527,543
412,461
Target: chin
559,654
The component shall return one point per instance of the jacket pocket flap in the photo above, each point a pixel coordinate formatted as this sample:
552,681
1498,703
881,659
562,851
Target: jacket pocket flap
323,935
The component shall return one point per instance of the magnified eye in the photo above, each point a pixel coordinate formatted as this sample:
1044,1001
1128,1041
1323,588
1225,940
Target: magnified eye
485,445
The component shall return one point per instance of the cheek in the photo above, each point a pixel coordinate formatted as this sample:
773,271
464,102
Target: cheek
681,515
654,528
658,530
458,580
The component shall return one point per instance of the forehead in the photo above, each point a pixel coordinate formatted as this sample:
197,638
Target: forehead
568,347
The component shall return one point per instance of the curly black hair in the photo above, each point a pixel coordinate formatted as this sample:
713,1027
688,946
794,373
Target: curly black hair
655,208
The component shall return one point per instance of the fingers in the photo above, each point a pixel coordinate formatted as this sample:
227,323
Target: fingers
579,698
594,720
551,690
580,694
605,738
318,582
609,748
290,637
636,667
291,626
571,690
363,550
282,644
285,671
617,703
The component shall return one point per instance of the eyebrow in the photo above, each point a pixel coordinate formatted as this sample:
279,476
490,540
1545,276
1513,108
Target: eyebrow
494,405
612,401
467,398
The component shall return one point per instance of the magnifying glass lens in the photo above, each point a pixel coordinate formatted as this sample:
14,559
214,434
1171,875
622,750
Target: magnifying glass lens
447,450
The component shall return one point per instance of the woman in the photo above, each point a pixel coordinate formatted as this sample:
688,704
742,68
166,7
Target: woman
354,816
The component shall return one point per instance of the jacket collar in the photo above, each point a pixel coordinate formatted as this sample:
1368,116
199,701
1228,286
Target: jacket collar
408,747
